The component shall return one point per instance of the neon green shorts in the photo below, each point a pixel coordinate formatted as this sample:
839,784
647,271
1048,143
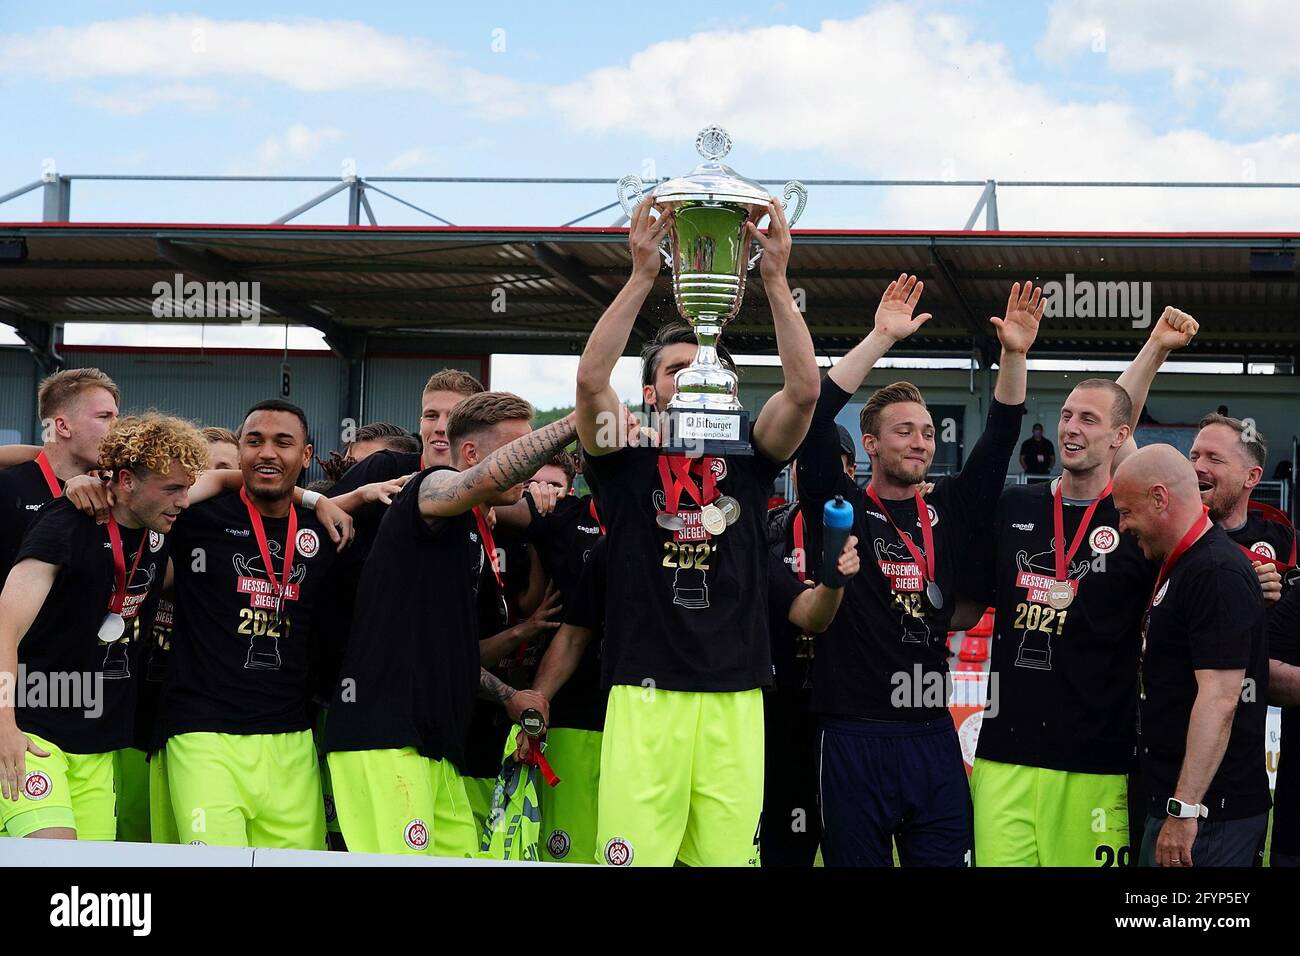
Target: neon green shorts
131,778
162,818
681,778
63,790
1028,816
478,790
569,808
258,790
396,801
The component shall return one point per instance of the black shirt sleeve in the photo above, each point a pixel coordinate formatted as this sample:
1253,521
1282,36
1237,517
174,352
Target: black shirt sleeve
820,470
978,486
383,465
782,588
52,536
588,608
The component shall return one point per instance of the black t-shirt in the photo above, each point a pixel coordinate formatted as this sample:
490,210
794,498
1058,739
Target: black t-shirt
792,650
1067,680
1270,540
885,656
234,668
155,639
1284,646
1039,455
63,644
23,492
563,539
338,601
691,614
1207,615
489,724
410,673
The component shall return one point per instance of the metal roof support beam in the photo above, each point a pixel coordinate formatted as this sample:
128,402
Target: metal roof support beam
41,339
365,204
21,191
569,271
311,203
354,202
214,267
988,204
58,199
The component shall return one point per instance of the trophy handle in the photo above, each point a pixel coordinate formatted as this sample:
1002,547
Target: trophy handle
799,191
631,190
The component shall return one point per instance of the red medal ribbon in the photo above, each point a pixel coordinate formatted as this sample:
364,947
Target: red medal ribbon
51,479
538,759
1269,513
1171,559
925,562
595,517
675,474
1063,558
489,546
255,517
120,578
798,542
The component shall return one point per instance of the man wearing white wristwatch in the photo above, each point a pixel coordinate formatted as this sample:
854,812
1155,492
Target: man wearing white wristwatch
1204,673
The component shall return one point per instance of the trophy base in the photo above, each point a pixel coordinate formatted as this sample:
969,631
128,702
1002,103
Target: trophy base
708,431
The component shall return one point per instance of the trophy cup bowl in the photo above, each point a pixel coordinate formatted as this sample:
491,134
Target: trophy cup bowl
710,258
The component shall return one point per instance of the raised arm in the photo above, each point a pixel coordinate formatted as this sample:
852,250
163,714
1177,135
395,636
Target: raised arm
814,609
25,591
1017,331
597,405
1172,331
783,422
447,493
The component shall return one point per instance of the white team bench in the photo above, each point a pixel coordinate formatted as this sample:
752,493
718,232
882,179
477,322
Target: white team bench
29,853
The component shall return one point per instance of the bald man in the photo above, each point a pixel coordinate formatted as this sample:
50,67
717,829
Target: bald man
1204,672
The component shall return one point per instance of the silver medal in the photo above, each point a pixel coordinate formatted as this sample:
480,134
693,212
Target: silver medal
669,522
934,595
1060,595
112,628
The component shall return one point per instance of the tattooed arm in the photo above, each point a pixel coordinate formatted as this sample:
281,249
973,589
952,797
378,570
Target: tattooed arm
490,687
447,493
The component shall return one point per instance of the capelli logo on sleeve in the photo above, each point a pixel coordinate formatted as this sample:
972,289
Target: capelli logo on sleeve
78,909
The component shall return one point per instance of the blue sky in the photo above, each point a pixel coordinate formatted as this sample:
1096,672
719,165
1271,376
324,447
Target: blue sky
1076,89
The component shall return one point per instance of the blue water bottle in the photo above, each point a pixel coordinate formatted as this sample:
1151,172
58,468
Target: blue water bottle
837,521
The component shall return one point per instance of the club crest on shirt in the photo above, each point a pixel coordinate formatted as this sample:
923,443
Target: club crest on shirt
155,542
619,852
416,835
1103,539
307,543
1160,595
36,785
557,844
1264,549
934,517
719,468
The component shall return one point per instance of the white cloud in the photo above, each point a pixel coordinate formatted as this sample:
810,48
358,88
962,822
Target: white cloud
904,93
1250,103
298,144
134,101
1258,37
310,55
406,160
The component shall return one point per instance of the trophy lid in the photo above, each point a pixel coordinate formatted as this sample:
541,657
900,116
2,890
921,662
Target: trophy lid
712,181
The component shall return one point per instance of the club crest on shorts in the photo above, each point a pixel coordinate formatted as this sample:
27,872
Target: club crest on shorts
155,542
416,835
557,844
1104,539
330,813
618,852
1264,548
37,785
307,543
1160,595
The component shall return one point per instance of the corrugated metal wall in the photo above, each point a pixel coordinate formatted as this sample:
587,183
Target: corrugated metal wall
394,383
18,378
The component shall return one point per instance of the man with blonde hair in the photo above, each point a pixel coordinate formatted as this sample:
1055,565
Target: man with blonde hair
69,609
76,408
